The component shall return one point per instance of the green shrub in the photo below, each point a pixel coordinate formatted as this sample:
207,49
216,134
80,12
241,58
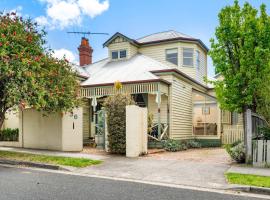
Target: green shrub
115,107
9,134
237,152
193,144
174,145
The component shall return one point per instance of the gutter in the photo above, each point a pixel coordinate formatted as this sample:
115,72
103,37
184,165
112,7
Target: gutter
129,82
181,74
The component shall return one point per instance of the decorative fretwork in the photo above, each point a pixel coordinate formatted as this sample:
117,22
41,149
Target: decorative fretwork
139,88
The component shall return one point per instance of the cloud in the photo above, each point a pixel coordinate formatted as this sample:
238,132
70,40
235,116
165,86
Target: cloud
93,8
42,21
69,55
65,13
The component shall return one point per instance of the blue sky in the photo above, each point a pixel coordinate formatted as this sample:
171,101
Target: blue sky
134,18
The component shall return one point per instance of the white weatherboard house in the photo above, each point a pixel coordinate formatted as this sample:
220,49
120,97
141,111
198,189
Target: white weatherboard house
164,72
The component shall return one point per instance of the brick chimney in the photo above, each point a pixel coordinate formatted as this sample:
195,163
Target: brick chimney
85,52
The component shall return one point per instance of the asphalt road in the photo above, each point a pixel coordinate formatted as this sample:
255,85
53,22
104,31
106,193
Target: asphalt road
25,184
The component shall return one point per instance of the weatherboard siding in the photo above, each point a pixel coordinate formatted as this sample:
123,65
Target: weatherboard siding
157,52
181,110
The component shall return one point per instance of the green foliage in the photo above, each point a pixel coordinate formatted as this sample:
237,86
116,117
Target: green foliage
241,55
264,133
115,107
236,151
29,75
174,145
9,134
193,144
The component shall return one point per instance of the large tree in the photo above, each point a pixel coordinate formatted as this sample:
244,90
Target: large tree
241,55
29,75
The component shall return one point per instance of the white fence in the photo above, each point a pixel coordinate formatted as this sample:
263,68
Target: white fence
232,134
261,153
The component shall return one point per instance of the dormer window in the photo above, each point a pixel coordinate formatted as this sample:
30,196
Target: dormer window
123,54
172,56
114,55
120,54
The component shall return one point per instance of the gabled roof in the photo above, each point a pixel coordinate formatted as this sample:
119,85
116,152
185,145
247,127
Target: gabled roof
80,71
117,34
171,34
136,69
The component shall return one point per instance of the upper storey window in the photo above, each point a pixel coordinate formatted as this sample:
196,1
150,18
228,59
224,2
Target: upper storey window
198,59
114,55
119,54
123,54
172,56
188,57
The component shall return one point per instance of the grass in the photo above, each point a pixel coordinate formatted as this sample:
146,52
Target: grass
246,179
57,160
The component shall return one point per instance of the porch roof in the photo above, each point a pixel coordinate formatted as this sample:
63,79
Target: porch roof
136,69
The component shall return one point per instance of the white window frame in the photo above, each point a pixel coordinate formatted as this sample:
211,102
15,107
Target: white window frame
176,56
191,49
118,54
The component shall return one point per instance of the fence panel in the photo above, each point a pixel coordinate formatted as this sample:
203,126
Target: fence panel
261,153
233,134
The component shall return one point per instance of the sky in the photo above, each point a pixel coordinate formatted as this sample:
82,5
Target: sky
133,18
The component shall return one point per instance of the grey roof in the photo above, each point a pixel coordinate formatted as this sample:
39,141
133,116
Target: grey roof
166,35
80,70
137,68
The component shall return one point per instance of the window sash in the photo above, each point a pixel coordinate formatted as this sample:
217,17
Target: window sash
114,55
188,54
198,61
172,56
123,53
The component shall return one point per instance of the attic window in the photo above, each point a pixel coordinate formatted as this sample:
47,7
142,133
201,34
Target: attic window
123,53
114,54
172,56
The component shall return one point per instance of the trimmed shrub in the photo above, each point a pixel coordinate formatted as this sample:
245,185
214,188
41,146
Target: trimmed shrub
115,107
9,134
174,145
237,152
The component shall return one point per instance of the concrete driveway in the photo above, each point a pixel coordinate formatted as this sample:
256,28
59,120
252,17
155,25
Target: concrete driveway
195,167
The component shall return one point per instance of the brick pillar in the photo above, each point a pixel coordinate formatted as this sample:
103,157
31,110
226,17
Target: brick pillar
85,52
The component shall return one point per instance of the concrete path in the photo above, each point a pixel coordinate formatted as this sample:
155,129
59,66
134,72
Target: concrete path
201,168
250,170
55,153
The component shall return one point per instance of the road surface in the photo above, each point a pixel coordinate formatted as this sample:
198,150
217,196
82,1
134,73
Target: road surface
27,184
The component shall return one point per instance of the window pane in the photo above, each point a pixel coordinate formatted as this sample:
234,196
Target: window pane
188,61
205,114
123,54
188,56
198,59
114,54
172,56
